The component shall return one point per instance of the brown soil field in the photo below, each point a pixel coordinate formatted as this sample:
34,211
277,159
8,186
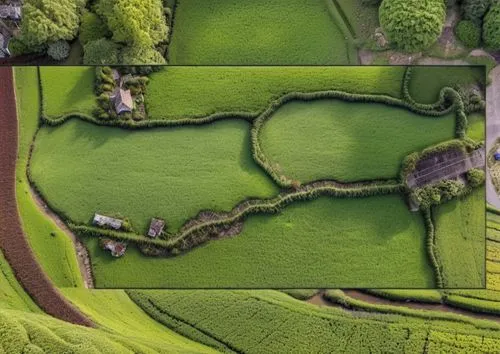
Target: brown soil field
13,242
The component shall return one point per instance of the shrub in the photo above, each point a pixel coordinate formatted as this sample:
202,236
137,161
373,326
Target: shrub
412,25
491,27
141,55
474,10
469,33
59,50
92,28
102,51
475,177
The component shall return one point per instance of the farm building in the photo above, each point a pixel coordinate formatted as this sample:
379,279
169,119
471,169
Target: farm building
156,227
116,248
122,100
10,12
102,220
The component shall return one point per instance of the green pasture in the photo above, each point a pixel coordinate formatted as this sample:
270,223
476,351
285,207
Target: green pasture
347,141
460,241
247,321
427,81
171,173
319,238
269,32
53,249
200,91
114,310
476,126
67,89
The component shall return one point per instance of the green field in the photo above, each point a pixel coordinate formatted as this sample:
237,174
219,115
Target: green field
347,141
460,239
289,325
53,249
259,32
427,81
321,238
477,126
67,90
197,92
171,173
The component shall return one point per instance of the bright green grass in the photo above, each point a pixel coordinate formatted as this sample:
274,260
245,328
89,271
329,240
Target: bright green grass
460,240
272,322
362,18
199,91
55,253
171,173
347,141
114,310
476,126
427,81
275,32
67,89
12,295
326,242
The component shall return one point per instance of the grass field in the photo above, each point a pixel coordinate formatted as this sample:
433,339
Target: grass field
460,239
201,91
67,90
289,325
171,173
321,238
476,127
55,253
258,32
427,81
348,141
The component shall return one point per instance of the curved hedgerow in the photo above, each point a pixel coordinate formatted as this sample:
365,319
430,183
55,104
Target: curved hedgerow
412,25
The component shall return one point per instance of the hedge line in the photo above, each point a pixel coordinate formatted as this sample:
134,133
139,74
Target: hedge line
339,297
432,251
472,304
198,230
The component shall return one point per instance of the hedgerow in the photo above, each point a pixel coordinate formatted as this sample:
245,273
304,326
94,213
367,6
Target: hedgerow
491,27
469,33
432,251
412,25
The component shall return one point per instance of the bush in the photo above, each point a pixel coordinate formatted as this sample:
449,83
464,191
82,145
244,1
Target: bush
102,51
474,10
141,55
491,27
412,25
92,28
59,50
475,177
469,33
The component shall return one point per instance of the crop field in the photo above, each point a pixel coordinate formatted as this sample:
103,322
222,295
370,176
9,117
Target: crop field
261,32
461,244
347,141
238,312
66,93
86,169
208,90
54,250
269,247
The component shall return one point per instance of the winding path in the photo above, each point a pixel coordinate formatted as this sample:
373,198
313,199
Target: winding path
13,242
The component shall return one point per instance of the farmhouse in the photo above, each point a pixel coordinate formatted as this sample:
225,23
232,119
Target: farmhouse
122,101
102,220
116,248
156,227
10,12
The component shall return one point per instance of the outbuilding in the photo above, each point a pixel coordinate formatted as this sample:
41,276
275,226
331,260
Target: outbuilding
156,227
116,248
122,100
102,221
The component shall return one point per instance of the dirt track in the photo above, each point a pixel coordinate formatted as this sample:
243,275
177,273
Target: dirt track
12,239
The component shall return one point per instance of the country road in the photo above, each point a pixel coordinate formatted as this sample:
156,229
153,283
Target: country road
492,128
13,241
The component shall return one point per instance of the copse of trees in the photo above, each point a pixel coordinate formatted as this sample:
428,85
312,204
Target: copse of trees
412,25
48,21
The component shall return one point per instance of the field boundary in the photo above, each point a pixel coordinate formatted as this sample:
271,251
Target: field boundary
13,241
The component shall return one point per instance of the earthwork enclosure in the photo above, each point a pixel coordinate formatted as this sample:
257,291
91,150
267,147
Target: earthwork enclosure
278,177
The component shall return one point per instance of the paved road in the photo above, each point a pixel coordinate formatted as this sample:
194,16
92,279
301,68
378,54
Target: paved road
13,241
493,128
